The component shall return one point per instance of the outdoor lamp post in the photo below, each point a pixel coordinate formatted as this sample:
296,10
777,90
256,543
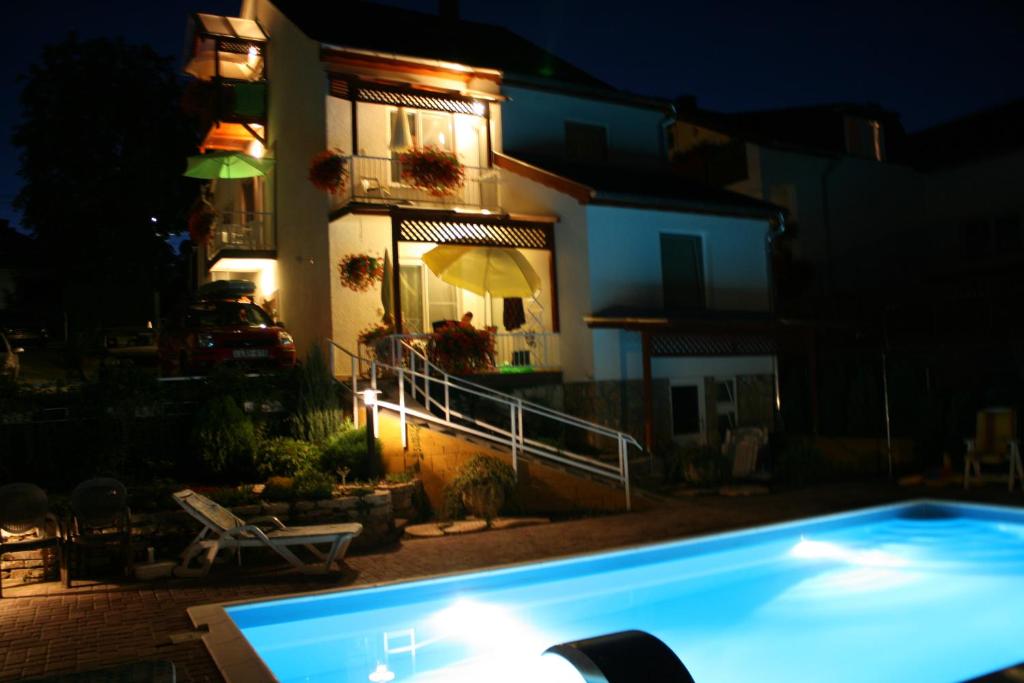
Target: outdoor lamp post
370,401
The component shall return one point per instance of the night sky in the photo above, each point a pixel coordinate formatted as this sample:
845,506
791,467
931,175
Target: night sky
929,61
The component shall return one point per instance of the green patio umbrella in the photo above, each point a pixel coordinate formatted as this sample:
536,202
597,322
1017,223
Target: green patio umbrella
227,165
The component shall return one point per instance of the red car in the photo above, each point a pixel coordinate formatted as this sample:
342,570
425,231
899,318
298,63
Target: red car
218,330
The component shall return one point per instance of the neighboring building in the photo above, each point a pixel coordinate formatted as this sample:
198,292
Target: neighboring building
655,305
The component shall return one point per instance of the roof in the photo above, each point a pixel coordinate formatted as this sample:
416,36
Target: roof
369,26
814,128
229,27
653,186
982,134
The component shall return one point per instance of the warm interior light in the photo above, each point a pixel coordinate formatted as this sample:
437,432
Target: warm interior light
440,139
253,55
256,149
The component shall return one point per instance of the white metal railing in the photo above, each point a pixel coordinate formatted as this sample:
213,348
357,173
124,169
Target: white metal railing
245,230
513,351
378,179
422,379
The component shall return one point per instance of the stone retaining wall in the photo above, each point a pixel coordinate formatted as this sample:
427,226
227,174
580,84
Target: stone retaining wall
169,530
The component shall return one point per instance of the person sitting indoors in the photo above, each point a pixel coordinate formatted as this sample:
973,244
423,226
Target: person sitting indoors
467,319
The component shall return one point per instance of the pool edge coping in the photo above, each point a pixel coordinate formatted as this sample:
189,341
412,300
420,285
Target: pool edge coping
238,661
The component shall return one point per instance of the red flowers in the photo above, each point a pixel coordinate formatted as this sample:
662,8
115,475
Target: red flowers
461,349
328,172
359,272
432,170
201,218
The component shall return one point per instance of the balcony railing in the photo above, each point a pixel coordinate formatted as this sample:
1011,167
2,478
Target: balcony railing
514,352
242,231
378,180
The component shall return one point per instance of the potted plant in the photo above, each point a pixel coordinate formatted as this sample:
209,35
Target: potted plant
201,219
461,348
432,170
359,272
482,485
328,171
377,338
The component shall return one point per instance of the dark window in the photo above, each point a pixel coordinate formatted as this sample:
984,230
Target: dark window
585,142
685,410
682,272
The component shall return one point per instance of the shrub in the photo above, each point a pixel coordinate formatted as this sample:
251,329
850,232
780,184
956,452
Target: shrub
279,488
488,480
432,170
312,484
232,496
285,456
346,450
317,411
226,438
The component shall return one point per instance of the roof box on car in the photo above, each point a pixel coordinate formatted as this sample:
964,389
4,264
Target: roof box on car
226,289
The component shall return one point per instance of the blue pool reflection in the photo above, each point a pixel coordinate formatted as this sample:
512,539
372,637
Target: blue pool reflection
918,592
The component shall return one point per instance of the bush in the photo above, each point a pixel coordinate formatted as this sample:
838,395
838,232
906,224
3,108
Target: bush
279,488
312,484
489,480
226,438
232,496
285,456
316,414
346,451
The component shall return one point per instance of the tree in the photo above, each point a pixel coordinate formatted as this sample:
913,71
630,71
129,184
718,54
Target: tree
102,146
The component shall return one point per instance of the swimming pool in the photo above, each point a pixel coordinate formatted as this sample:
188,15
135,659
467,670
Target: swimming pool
923,591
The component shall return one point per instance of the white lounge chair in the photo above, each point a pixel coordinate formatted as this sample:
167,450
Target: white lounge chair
223,531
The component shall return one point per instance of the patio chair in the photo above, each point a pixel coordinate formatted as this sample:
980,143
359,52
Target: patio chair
744,444
223,531
26,523
100,520
995,443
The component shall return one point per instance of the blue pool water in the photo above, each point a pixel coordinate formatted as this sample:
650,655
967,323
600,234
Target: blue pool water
914,592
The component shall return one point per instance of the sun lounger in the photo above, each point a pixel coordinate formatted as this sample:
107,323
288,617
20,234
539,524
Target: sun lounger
223,531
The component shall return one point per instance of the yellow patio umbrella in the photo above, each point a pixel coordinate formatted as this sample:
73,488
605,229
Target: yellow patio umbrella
498,271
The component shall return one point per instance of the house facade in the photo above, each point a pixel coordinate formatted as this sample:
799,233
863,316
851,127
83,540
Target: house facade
654,310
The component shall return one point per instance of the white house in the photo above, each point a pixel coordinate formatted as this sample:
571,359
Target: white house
654,312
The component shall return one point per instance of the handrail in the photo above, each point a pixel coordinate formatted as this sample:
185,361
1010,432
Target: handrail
512,437
535,407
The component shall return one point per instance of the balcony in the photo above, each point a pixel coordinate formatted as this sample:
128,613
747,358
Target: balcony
376,180
242,233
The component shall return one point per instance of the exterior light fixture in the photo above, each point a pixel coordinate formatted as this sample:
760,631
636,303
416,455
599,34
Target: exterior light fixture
623,657
370,397
381,674
478,108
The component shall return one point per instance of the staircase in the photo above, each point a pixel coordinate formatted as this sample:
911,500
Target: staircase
413,388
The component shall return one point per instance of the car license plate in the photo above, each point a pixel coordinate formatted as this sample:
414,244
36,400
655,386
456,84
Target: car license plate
251,353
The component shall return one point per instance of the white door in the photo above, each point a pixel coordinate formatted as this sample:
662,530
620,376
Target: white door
687,399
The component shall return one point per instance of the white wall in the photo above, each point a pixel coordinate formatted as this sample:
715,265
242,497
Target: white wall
351,311
573,270
534,123
339,124
625,257
296,132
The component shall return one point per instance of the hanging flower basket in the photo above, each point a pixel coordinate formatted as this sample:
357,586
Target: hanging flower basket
432,170
201,218
359,272
461,349
328,171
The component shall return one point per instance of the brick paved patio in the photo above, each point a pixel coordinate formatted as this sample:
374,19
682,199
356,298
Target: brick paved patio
46,629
